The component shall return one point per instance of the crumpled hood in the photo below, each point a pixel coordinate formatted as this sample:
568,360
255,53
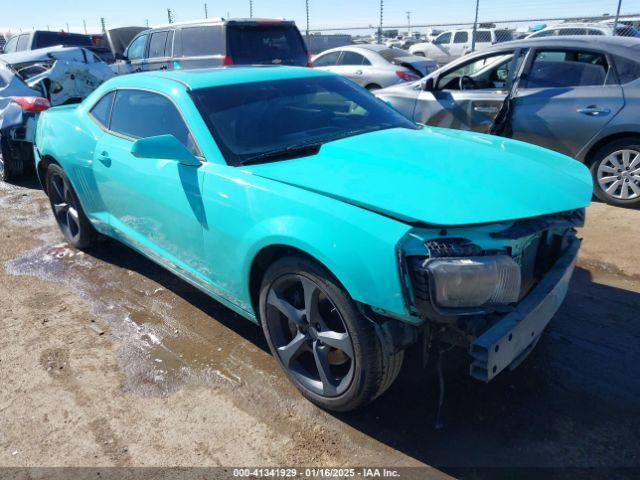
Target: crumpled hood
439,176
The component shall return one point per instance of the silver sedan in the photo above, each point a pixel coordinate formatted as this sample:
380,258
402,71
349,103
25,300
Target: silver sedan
374,66
579,96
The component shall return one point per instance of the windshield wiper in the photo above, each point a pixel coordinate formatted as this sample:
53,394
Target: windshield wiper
306,149
293,151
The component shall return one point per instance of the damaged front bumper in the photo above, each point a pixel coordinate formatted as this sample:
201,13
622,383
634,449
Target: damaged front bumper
509,341
490,289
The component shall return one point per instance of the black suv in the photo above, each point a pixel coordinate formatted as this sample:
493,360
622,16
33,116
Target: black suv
215,42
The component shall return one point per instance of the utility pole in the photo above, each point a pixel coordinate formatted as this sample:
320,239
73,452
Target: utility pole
408,23
169,15
103,24
84,23
250,8
307,6
206,12
67,27
475,27
146,21
380,26
615,22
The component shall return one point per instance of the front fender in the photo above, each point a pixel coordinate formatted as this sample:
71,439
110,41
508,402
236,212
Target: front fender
364,264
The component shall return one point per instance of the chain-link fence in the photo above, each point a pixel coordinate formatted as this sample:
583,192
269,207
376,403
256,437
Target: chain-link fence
484,29
475,34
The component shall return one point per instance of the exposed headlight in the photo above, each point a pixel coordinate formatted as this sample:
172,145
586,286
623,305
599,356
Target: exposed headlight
474,281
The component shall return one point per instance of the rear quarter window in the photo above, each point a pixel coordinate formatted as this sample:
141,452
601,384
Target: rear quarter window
101,112
628,70
202,41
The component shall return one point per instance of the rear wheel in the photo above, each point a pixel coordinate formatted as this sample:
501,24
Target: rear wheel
373,86
328,350
616,172
11,168
67,210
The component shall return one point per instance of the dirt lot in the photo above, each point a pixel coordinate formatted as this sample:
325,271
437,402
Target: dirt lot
107,360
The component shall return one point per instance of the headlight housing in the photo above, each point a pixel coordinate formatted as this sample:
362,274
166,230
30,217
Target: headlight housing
469,282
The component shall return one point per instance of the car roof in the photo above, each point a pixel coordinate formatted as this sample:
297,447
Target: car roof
370,46
577,24
221,21
221,76
625,46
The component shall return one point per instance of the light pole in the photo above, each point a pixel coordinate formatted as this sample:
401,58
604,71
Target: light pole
206,12
475,27
307,7
408,23
84,23
615,23
250,8
380,25
169,15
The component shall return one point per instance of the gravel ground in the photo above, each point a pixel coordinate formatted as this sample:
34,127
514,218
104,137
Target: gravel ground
107,360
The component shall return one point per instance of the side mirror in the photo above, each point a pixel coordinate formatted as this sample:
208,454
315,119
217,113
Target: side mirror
429,84
119,56
164,147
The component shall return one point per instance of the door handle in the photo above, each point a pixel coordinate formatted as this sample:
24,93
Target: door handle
358,72
104,159
594,111
164,67
485,109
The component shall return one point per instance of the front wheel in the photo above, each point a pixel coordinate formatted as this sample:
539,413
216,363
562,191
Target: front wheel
327,348
68,212
616,172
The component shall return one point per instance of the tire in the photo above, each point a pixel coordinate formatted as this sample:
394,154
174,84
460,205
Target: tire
616,166
11,168
333,337
68,212
373,86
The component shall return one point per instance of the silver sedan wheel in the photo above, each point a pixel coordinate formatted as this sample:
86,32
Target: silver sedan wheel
619,174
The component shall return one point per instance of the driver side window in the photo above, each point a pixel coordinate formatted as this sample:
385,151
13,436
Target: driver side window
10,47
443,39
136,49
486,73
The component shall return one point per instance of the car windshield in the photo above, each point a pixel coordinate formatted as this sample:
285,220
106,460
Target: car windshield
256,121
266,44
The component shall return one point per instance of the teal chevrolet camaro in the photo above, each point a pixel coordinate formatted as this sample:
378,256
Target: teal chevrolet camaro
307,205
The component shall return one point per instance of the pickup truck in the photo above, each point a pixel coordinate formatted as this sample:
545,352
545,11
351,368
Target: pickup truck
453,44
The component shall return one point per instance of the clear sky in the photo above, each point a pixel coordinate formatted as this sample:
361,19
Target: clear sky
56,14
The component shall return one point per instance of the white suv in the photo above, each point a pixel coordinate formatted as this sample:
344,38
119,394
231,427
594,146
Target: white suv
453,44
